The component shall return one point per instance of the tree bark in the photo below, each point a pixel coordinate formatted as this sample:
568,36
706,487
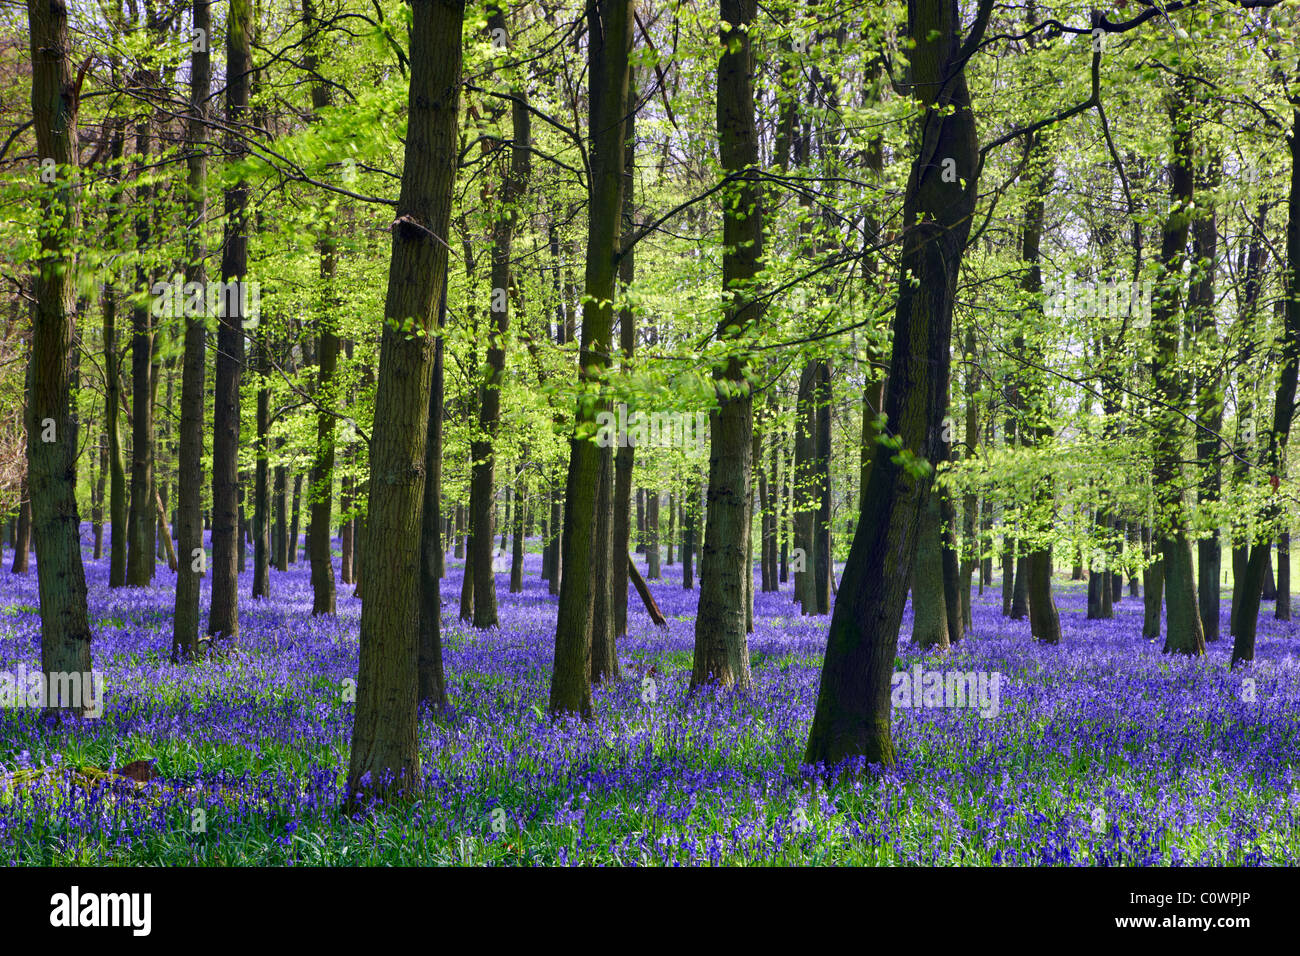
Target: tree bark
1183,632
140,560
385,753
431,681
609,39
929,600
193,559
223,615
853,712
721,635
52,464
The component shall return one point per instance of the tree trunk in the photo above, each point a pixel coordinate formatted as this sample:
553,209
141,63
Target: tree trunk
113,395
140,557
193,560
721,641
1183,632
385,752
1153,589
604,656
52,464
223,616
688,536
1283,609
625,456
23,537
929,604
431,682
261,486
1274,458
292,552
98,477
652,534
609,39
280,500
1269,590
320,492
517,546
853,713
557,550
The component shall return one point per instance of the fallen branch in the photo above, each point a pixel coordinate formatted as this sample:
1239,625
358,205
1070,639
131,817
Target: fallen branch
647,598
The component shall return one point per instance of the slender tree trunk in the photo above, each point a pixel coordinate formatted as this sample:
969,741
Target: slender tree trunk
280,498
929,606
520,529
193,559
23,537
223,616
1282,611
140,557
1153,589
609,39
1269,590
294,518
431,681
604,657
97,506
261,487
625,456
721,642
113,393
320,492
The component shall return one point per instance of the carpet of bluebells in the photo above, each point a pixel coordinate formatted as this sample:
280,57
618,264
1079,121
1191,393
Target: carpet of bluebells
1103,751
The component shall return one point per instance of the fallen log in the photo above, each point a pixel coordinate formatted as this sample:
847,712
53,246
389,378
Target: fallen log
647,598
164,531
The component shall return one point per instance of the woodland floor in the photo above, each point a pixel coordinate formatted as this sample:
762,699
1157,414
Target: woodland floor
1103,750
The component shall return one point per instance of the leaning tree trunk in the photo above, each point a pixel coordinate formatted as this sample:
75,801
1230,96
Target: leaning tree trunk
721,635
385,754
52,455
853,714
609,30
